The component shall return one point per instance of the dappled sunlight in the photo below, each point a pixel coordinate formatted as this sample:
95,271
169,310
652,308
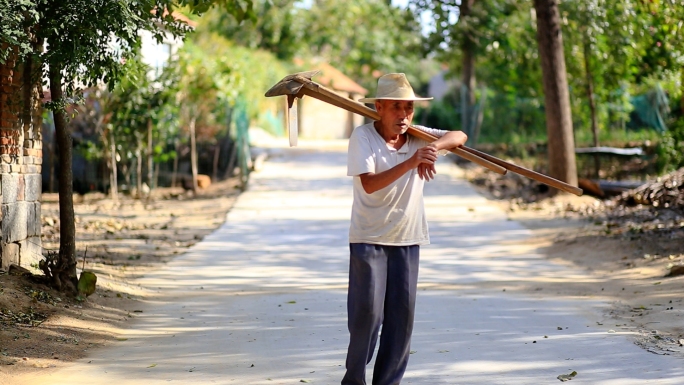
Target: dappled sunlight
298,329
488,338
262,300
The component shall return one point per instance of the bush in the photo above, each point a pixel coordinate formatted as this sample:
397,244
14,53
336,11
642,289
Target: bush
440,114
670,149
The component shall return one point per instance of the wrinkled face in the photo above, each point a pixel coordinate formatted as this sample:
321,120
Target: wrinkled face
395,115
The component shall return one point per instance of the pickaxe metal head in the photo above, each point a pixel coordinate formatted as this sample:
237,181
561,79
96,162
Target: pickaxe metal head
289,85
292,86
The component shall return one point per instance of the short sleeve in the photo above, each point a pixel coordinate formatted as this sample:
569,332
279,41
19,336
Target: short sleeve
360,158
436,132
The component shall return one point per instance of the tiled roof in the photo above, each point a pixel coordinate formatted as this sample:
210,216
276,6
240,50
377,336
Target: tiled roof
333,78
180,17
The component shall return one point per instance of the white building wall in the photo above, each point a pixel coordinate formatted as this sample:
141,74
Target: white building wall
157,55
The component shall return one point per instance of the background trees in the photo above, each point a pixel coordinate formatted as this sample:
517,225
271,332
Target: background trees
363,36
561,149
358,36
86,43
612,49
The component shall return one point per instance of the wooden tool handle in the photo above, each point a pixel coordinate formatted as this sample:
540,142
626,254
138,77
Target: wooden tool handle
527,172
495,164
418,133
319,92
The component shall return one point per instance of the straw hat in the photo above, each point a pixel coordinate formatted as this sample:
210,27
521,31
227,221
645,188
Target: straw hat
393,87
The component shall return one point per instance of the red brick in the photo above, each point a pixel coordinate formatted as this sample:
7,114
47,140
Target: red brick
9,115
9,89
32,152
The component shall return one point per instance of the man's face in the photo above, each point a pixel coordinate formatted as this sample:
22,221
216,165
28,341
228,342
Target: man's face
395,115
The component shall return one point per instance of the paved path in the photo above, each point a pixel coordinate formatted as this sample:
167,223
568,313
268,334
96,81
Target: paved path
262,300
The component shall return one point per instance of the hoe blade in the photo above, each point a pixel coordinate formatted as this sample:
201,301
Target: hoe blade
291,118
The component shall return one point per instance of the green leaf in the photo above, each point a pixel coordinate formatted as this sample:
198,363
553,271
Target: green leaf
567,377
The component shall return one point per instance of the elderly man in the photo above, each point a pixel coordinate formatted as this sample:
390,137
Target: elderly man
388,225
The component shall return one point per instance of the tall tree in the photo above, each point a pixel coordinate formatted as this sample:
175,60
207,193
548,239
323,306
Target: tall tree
132,108
358,37
599,60
87,43
468,52
561,145
464,31
277,29
361,37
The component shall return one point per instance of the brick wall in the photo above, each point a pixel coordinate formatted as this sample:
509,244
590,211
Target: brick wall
20,164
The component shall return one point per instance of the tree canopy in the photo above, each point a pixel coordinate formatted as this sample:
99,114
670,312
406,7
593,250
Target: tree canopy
358,36
87,42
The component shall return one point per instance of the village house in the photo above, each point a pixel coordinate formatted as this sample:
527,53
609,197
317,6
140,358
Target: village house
320,120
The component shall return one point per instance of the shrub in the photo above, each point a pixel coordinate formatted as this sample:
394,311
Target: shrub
670,149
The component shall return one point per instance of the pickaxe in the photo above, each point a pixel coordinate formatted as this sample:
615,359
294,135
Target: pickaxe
297,85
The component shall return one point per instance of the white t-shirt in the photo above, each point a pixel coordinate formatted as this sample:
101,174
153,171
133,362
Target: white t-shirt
394,215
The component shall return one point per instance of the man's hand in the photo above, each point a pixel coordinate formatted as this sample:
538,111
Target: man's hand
426,172
424,161
425,155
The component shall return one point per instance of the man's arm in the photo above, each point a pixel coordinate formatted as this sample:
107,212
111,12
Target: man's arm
373,182
424,159
451,139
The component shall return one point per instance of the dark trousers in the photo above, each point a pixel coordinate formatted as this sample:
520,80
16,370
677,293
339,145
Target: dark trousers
382,292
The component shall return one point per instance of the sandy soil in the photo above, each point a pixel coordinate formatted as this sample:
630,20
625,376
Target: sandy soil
40,328
626,268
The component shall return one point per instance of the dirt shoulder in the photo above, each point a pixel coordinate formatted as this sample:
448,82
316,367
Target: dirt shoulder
626,248
626,262
41,328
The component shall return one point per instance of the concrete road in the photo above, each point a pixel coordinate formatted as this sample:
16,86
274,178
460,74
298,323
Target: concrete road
262,300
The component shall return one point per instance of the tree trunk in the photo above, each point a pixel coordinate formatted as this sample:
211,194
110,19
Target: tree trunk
561,146
156,175
193,155
592,100
477,120
217,152
64,273
113,183
682,83
231,162
53,159
174,174
468,75
150,156
126,173
138,172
